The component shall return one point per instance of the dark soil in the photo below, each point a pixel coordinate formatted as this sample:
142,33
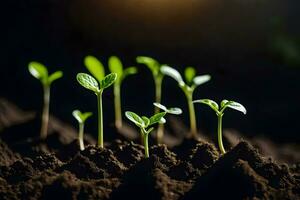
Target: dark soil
56,168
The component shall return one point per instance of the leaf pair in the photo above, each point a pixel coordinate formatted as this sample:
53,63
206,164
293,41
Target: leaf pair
90,83
81,117
115,65
190,76
144,122
224,104
174,111
40,72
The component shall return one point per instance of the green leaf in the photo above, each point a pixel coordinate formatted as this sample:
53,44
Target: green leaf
146,121
56,75
129,71
199,80
235,105
137,120
210,103
189,74
39,71
95,67
160,106
174,111
156,118
88,82
223,103
81,117
108,80
151,63
162,120
169,71
115,65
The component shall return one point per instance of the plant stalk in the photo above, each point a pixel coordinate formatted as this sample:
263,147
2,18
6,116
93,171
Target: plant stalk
193,124
160,129
45,115
145,136
100,120
220,141
160,133
118,111
80,138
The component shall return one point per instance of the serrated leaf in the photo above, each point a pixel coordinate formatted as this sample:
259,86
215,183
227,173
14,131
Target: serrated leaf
39,71
169,71
236,106
156,118
88,82
189,74
137,120
146,121
129,71
174,111
160,106
56,75
81,117
209,102
95,67
115,65
108,80
151,63
199,80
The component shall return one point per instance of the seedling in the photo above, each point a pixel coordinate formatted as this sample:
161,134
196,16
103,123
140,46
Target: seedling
145,123
174,111
188,88
81,118
115,65
220,112
40,72
90,83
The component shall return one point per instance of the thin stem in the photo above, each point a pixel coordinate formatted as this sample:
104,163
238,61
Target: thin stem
145,137
118,113
158,83
100,120
160,133
80,136
220,141
193,124
45,115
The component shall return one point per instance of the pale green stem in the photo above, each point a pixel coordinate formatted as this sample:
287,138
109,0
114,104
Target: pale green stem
220,141
160,130
100,120
160,133
118,113
145,136
80,136
45,115
191,107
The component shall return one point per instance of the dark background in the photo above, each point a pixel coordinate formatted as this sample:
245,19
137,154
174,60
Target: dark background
251,49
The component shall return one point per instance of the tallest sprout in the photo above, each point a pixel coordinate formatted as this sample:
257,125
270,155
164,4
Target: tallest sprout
188,88
40,72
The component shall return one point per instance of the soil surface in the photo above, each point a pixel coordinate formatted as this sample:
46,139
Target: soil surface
55,168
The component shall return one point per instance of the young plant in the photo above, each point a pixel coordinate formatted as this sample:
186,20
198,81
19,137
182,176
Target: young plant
40,72
90,83
188,88
145,123
81,118
174,111
115,65
220,112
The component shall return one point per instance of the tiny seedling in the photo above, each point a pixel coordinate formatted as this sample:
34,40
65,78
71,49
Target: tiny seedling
145,123
81,118
90,83
188,88
40,72
220,112
115,65
174,111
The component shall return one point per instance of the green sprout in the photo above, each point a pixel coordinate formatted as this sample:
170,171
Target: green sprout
188,88
145,123
81,118
40,72
174,111
220,112
90,83
115,65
